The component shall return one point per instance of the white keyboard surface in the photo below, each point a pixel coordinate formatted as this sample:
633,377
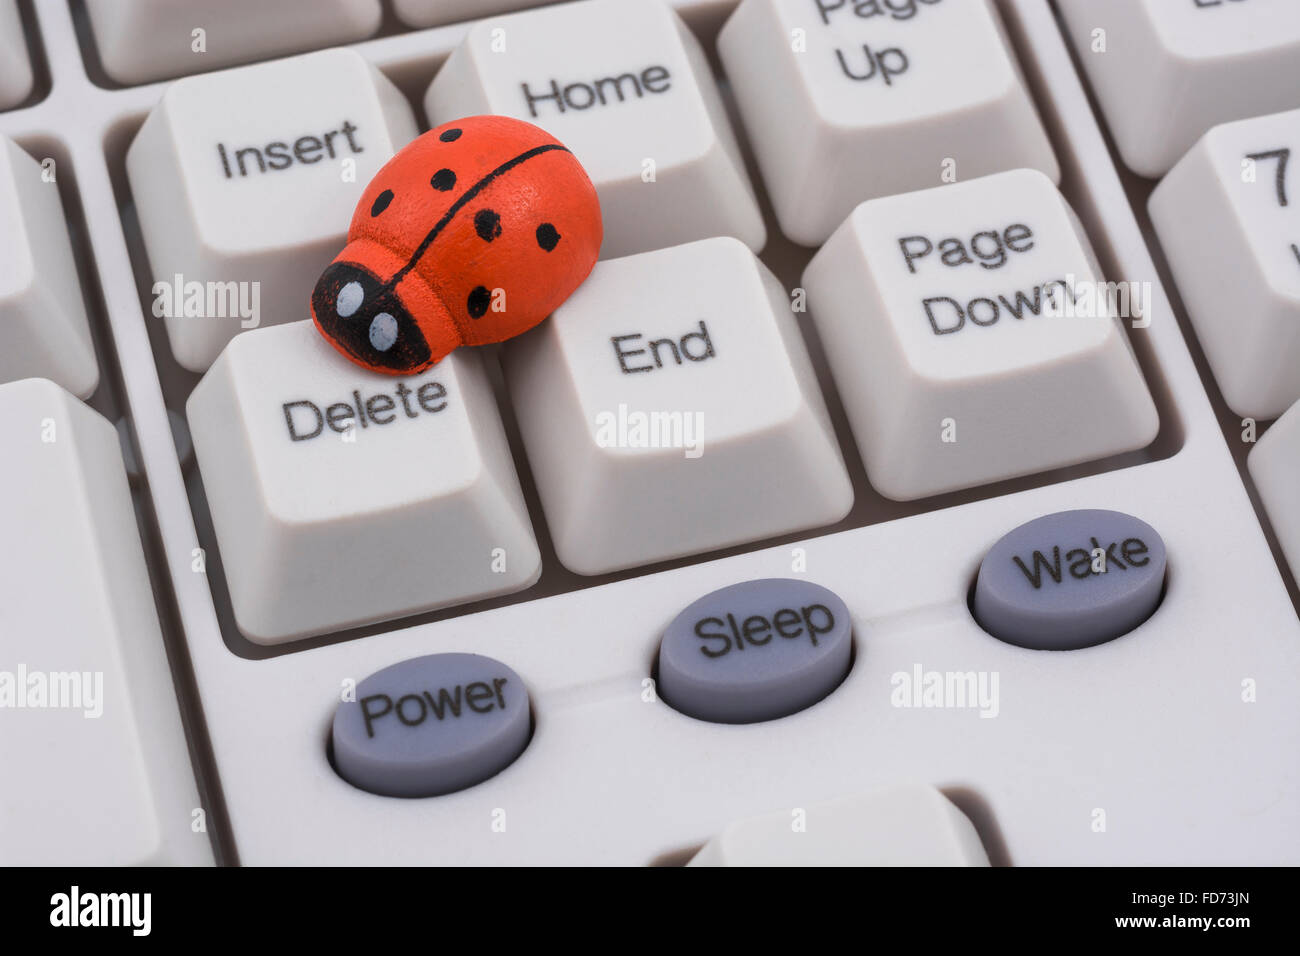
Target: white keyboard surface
289,611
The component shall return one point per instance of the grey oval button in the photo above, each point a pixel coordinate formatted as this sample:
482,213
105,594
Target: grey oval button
431,725
755,651
1071,579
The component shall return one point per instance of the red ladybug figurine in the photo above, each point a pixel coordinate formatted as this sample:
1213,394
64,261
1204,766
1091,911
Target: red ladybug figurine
473,233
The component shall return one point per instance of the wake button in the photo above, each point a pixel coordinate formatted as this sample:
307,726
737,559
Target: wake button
1071,579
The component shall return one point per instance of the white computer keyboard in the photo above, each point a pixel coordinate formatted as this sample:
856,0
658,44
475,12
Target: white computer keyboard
862,388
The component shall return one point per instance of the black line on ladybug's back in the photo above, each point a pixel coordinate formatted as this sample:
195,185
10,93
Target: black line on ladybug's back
460,204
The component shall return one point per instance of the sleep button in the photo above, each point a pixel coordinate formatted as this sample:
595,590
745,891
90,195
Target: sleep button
755,651
431,725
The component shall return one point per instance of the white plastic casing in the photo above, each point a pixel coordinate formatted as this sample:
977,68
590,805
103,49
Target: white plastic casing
1152,728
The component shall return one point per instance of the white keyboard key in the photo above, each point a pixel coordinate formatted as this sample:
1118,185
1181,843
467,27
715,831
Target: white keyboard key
845,101
432,13
640,109
1165,71
143,40
1228,218
912,825
250,177
669,407
96,770
934,310
44,331
343,497
15,66
1275,468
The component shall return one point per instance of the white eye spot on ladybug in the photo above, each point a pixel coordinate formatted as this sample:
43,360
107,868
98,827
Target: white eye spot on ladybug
349,299
383,332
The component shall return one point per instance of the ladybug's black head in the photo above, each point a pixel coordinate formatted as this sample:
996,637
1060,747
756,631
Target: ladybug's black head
367,322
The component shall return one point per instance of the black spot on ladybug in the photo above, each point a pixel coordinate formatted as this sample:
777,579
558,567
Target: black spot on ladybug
381,202
443,180
449,135
547,236
487,224
478,303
